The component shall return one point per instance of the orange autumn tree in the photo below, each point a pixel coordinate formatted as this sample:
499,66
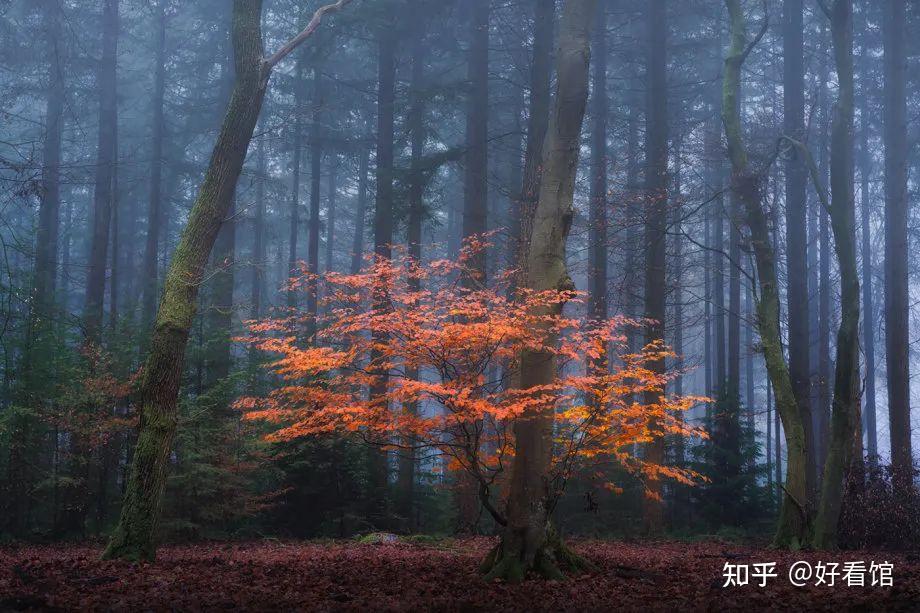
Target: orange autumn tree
466,343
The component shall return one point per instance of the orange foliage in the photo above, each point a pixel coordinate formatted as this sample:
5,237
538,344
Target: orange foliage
466,343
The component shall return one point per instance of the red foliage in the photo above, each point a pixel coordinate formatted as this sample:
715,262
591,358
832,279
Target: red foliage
401,576
466,342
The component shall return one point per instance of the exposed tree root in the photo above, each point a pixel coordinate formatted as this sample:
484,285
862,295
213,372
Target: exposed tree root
511,560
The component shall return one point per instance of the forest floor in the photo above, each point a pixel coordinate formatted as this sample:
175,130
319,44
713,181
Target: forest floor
348,575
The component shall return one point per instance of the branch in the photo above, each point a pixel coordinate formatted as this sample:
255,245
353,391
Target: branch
812,170
760,34
824,8
288,47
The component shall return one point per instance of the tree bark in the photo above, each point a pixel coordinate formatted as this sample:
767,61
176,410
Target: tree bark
792,528
105,167
656,214
537,120
845,442
157,394
294,213
416,127
527,542
383,237
357,245
868,326
796,178
154,210
316,165
597,268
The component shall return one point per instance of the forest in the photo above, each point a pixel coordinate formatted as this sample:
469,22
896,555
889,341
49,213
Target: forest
459,304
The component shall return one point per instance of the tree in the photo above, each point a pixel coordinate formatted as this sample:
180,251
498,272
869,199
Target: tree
796,176
896,226
793,522
656,218
845,444
103,193
436,323
154,211
526,541
158,390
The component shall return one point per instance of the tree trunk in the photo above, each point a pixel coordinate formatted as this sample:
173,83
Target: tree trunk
656,188
844,444
154,211
416,127
294,214
897,306
331,197
540,72
527,542
793,521
105,167
357,245
796,178
597,267
134,535
316,165
383,237
865,171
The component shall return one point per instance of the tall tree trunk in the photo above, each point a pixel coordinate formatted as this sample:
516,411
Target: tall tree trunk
793,521
597,268
821,415
331,197
105,167
416,127
475,214
154,210
158,391
383,237
656,188
20,476
897,306
294,213
796,178
357,245
868,326
316,165
540,73
527,542
845,442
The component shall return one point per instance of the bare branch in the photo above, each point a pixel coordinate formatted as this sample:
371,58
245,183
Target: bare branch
292,44
763,30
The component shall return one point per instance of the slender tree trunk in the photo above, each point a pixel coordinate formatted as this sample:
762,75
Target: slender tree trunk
383,237
475,213
333,191
597,268
897,305
868,326
105,168
540,72
134,536
20,476
316,165
793,521
656,214
294,214
416,127
796,178
845,441
527,542
154,210
357,245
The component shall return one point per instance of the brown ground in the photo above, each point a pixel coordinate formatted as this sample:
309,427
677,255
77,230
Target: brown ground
262,576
